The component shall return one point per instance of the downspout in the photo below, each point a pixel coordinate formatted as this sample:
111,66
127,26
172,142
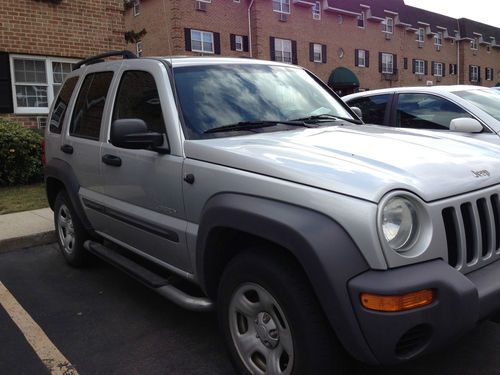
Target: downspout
250,29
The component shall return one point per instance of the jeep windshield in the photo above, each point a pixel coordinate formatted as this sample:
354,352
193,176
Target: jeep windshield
222,96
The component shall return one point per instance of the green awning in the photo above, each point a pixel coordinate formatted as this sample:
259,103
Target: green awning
343,77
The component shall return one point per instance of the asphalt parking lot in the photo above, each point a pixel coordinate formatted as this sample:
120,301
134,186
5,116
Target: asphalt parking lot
104,322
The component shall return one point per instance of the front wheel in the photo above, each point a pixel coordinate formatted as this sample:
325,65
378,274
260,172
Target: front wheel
271,320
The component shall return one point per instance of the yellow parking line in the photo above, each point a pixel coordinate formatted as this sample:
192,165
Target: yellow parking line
51,357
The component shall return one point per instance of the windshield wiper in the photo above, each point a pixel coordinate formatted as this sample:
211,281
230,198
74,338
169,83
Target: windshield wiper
328,117
250,125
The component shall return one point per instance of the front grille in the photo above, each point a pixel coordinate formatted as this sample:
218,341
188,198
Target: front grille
473,232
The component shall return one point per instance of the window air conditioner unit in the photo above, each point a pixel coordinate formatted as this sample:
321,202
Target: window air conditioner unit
388,36
429,83
201,5
283,17
420,77
438,79
438,48
420,44
474,52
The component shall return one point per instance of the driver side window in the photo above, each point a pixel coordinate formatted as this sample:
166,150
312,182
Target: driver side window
138,97
425,111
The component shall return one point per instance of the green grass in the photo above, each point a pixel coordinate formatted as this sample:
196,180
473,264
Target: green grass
22,198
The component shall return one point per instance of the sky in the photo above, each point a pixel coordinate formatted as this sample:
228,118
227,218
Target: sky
486,11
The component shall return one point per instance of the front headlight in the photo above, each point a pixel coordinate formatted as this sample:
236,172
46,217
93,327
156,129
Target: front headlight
400,224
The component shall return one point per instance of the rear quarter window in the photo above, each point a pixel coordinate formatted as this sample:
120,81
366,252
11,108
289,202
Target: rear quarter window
61,105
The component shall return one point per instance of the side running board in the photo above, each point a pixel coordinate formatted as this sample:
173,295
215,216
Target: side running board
158,283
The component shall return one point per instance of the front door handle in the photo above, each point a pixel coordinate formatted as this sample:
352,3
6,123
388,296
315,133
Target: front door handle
113,160
67,149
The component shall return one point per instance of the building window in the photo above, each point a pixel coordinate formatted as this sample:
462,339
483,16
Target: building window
474,73
387,63
388,25
361,20
281,6
438,39
318,53
361,58
316,11
420,35
438,69
36,81
453,69
202,41
474,44
419,67
283,50
138,49
238,43
137,7
489,74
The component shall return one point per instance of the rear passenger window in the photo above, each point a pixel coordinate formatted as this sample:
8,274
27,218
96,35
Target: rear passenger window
59,111
137,97
372,107
87,115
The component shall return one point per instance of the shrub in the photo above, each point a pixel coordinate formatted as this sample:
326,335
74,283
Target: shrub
20,154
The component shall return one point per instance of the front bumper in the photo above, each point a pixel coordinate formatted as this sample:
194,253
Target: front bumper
461,302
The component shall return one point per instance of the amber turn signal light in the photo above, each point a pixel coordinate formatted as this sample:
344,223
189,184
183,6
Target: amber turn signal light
397,303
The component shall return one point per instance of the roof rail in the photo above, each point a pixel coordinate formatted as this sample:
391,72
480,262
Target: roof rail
100,58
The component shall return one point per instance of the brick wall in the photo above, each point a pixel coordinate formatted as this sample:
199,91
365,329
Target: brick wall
339,32
70,29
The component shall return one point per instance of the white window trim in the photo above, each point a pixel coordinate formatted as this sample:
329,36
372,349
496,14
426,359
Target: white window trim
438,39
50,83
436,72
138,48
316,11
475,77
391,71
136,7
320,60
386,25
236,37
489,74
364,58
281,6
420,35
203,32
474,44
362,18
282,50
419,64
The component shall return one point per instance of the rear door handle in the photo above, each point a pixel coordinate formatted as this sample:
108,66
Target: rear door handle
113,160
67,149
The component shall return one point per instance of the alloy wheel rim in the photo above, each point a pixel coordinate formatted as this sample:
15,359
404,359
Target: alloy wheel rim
260,331
66,229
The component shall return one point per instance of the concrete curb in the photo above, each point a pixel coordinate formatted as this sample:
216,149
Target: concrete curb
23,242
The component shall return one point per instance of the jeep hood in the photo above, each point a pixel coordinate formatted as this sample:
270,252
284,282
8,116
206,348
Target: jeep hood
361,161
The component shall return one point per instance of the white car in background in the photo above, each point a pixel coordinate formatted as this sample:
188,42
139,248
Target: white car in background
470,110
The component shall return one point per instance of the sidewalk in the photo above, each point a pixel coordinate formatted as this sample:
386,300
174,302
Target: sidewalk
26,229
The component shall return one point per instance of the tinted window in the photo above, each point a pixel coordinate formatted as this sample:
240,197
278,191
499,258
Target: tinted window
372,107
59,111
87,115
487,100
424,111
213,96
138,98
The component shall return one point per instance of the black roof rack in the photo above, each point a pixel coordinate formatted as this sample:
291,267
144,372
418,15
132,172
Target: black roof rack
100,58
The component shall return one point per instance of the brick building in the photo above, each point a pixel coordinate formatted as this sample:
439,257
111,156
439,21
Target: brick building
352,45
39,42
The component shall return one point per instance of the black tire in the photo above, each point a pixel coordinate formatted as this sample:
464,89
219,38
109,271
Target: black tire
315,347
73,251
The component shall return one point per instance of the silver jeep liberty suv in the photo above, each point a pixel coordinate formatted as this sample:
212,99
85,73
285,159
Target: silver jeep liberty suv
250,188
